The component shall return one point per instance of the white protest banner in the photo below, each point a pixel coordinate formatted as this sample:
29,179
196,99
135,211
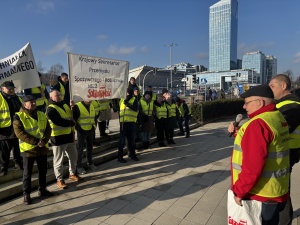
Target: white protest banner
20,68
97,78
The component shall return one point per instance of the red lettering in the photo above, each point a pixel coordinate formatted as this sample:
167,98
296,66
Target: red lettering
99,93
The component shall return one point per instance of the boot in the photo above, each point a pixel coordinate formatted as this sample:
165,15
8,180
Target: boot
27,199
148,144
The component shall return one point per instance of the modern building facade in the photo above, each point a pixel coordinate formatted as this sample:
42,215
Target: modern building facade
223,30
265,66
271,67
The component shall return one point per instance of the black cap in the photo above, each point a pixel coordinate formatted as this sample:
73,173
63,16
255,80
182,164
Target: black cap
27,98
8,84
261,91
135,89
147,93
164,90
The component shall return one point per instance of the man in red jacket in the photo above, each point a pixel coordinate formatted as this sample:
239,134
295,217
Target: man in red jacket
260,158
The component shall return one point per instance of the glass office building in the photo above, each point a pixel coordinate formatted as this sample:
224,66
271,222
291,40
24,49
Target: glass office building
256,61
223,26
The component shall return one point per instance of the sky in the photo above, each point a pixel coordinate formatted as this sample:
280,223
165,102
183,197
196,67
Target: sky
141,31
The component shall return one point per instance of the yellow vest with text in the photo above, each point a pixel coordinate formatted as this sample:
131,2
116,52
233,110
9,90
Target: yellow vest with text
65,114
161,111
86,119
295,135
126,114
5,119
147,107
274,180
172,110
35,128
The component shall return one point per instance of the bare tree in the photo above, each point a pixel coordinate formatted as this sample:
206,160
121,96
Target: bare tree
56,69
39,67
289,73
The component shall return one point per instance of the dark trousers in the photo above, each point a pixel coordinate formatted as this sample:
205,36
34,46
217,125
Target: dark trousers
161,130
102,127
186,124
85,139
5,148
270,213
27,172
170,134
127,130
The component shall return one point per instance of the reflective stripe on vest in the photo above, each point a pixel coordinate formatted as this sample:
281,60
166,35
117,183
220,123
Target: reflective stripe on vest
5,119
161,111
273,182
87,118
65,114
35,128
172,109
295,135
126,114
147,107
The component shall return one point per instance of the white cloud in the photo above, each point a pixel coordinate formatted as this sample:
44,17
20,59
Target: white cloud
297,58
115,50
202,55
41,6
62,46
144,49
101,37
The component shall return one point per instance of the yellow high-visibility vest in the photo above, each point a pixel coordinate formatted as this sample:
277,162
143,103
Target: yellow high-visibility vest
147,107
86,119
126,114
65,114
33,127
274,180
5,119
161,111
172,109
295,135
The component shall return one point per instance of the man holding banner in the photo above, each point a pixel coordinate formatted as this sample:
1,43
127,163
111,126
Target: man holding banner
21,69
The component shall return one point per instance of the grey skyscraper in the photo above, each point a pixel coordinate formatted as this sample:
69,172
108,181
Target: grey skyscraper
223,25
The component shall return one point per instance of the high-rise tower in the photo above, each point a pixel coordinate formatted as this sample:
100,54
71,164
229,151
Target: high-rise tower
223,26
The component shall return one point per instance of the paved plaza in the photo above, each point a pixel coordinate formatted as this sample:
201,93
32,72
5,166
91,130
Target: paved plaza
182,184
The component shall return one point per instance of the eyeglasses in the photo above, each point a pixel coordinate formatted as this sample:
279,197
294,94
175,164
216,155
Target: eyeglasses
246,103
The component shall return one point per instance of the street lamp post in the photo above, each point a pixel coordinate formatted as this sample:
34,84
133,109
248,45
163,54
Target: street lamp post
144,80
171,45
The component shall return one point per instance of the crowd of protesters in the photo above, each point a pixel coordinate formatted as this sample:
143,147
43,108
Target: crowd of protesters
30,124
